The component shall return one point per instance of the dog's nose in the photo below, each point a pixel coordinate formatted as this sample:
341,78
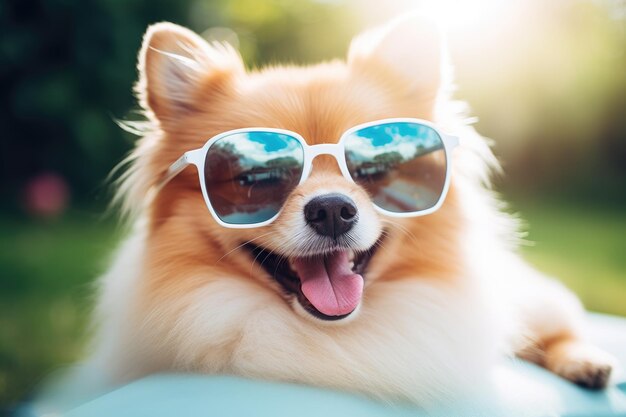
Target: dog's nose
331,214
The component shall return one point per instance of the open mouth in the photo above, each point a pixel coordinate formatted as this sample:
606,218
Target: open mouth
328,286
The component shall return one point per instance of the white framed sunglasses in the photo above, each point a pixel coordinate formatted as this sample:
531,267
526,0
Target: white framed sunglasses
247,174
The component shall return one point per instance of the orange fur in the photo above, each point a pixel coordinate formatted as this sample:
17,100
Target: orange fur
448,262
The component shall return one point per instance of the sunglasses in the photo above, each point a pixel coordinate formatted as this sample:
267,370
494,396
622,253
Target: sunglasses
247,174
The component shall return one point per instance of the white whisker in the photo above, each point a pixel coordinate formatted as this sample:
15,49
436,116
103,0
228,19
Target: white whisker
243,244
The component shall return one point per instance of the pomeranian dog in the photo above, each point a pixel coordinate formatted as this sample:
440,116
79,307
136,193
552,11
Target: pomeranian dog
331,233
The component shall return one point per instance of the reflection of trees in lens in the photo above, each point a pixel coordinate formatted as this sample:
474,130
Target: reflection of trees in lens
249,188
399,181
223,161
390,159
284,162
379,167
280,169
408,139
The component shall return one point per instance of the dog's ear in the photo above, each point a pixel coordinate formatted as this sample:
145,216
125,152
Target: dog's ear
178,70
411,47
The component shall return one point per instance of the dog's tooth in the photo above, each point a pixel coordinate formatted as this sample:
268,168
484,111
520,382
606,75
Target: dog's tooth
351,256
351,264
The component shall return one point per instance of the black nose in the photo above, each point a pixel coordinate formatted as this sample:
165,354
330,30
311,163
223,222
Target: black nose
331,214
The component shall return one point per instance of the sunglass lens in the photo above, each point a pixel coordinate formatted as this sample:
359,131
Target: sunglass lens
402,165
249,175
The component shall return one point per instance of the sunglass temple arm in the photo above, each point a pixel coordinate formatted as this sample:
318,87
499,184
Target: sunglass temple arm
174,169
453,140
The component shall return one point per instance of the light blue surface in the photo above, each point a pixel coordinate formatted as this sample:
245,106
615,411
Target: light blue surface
522,389
194,395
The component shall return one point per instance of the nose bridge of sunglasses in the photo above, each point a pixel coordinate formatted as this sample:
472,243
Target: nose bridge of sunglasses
195,157
333,149
326,157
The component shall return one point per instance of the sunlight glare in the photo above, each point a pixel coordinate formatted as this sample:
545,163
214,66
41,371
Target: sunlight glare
466,15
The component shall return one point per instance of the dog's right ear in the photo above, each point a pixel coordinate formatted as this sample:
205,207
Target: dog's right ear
411,47
179,71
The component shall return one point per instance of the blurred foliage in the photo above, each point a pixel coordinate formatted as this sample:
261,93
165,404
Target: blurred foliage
44,305
546,78
554,100
67,69
66,72
581,245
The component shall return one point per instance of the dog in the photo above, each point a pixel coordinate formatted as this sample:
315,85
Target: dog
433,300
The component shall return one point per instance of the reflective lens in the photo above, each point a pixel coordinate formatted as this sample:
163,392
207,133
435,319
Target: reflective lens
402,165
249,175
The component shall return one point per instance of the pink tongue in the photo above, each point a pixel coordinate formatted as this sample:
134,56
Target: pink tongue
329,283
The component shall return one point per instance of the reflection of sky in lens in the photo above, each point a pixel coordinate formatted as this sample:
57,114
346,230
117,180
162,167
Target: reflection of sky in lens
254,148
403,137
271,142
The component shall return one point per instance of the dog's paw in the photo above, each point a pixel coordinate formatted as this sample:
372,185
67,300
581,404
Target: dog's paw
587,373
583,364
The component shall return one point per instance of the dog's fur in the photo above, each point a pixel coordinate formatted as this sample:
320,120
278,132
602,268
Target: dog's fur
444,295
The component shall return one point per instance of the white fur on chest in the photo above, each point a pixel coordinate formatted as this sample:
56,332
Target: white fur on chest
413,339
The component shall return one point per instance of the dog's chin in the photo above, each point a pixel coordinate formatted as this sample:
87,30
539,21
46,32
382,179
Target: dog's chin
284,270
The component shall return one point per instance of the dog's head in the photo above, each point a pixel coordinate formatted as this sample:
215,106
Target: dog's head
329,246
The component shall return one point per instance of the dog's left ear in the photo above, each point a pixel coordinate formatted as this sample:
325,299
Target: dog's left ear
180,72
410,47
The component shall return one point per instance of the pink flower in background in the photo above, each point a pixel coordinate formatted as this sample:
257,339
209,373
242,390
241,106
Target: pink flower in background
46,195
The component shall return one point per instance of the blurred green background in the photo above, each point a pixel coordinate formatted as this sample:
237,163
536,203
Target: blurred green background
547,80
